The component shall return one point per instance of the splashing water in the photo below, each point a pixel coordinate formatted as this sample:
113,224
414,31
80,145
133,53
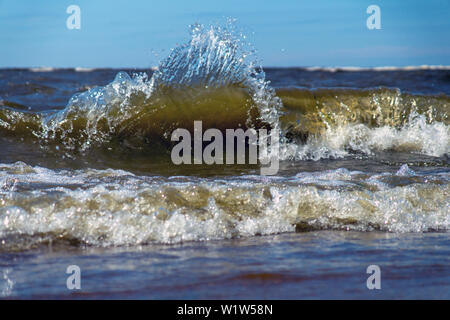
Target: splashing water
215,60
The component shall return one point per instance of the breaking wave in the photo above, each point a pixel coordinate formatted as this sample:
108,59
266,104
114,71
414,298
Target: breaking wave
215,77
115,207
386,68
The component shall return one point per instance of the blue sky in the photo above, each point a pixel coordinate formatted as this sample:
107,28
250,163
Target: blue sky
127,33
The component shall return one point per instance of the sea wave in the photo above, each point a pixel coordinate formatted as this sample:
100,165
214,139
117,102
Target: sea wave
383,68
115,207
42,69
215,78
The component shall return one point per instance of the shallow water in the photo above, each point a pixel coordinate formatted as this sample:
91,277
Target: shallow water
86,178
313,265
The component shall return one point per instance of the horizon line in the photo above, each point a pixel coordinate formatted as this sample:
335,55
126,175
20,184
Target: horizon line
307,68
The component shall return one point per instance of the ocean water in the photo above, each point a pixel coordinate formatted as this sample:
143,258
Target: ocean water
86,179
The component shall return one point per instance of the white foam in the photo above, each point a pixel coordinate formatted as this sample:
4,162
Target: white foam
42,69
6,283
417,136
81,69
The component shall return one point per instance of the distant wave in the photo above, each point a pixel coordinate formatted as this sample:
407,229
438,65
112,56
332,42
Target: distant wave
80,69
386,68
42,69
